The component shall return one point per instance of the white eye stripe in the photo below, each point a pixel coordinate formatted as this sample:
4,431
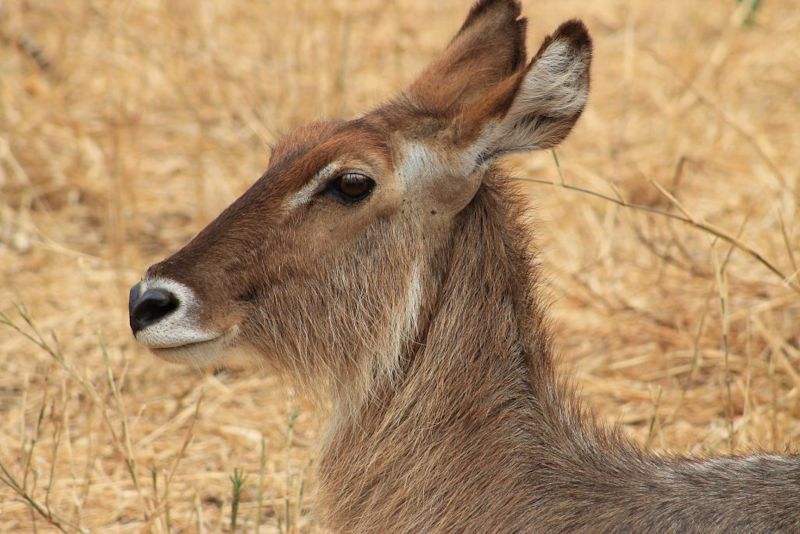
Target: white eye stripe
313,185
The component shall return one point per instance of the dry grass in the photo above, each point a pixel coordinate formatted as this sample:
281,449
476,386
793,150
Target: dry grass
126,125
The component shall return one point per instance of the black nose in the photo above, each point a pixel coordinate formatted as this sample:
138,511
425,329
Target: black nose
149,307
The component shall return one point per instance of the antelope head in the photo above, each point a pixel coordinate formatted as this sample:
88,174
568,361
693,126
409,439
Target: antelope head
325,265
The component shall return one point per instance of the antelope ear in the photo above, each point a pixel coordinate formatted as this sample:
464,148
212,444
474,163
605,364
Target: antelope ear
489,47
537,107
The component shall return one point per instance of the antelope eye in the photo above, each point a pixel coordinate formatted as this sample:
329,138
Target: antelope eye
352,186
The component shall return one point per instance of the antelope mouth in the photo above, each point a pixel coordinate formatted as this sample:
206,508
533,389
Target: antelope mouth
164,316
201,353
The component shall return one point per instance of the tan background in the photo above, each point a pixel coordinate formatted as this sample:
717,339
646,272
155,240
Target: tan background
125,126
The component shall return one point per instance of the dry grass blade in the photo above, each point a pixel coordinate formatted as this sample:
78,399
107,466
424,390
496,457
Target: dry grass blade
749,137
687,219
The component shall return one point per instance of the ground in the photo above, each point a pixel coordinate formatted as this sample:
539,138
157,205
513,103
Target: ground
125,126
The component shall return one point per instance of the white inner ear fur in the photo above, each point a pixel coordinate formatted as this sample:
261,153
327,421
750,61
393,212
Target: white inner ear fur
554,88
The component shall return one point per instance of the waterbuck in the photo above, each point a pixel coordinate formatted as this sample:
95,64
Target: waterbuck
384,263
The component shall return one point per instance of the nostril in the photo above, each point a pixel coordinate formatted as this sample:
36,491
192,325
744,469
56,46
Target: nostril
150,307
133,297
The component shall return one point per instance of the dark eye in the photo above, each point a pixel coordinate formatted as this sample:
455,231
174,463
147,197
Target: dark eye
352,186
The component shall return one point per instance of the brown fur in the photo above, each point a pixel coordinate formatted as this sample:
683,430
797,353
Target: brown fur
416,311
489,47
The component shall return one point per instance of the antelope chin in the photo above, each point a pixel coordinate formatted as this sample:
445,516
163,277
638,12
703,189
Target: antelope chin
201,353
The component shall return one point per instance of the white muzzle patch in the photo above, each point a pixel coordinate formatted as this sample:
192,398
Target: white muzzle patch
179,328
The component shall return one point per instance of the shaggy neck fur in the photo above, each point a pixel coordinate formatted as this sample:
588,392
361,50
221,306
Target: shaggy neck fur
477,434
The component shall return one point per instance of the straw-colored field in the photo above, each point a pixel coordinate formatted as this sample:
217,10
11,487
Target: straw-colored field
125,126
